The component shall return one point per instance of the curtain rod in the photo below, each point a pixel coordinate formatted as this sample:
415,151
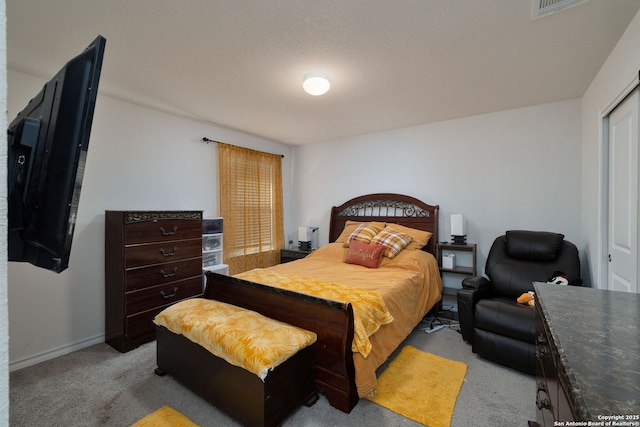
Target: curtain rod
207,140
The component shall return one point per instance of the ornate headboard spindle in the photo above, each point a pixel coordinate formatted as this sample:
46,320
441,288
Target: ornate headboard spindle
390,208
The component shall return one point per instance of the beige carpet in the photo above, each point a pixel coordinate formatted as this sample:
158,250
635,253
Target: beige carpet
165,417
99,386
421,386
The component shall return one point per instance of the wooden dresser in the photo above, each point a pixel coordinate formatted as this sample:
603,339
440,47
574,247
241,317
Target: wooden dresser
588,351
152,259
552,402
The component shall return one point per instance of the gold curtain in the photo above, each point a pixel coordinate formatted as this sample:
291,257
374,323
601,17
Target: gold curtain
251,205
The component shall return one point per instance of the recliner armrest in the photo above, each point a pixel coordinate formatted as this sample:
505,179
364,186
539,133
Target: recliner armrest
473,290
477,282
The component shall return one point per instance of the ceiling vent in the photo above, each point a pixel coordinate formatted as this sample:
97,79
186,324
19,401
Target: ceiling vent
542,8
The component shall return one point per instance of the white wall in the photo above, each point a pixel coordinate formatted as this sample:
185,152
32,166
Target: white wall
613,80
517,169
138,158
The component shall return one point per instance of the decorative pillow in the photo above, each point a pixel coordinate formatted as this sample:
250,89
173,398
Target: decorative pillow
393,241
350,227
363,254
363,233
419,238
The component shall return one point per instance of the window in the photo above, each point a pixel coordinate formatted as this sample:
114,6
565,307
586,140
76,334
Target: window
251,205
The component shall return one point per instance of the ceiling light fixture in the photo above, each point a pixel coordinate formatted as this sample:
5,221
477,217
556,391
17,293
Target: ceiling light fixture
316,84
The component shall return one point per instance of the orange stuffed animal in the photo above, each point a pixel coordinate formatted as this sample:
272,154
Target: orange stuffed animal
528,298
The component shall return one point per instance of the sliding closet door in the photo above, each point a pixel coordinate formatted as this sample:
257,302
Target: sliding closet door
623,196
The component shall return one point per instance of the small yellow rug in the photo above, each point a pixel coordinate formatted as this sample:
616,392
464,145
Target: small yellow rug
165,417
421,386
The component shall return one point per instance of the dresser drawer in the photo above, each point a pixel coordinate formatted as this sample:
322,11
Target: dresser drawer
544,401
160,274
545,383
157,230
551,400
156,296
162,252
141,324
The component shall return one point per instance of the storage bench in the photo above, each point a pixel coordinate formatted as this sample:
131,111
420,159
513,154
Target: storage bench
255,369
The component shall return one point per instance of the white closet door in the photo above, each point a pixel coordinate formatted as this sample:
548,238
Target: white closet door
623,196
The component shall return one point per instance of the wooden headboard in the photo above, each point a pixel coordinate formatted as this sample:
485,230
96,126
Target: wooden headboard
387,207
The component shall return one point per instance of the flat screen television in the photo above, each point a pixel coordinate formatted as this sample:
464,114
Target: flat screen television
47,148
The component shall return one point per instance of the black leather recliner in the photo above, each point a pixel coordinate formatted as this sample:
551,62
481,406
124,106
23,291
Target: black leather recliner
498,328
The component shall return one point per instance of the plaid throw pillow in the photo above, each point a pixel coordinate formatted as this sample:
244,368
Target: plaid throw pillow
393,241
363,233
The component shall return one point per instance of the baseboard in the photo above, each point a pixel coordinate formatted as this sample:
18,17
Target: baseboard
51,354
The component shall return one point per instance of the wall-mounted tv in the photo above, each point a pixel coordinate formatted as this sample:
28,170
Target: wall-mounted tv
47,148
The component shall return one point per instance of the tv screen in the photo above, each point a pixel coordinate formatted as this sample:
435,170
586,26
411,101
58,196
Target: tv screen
47,149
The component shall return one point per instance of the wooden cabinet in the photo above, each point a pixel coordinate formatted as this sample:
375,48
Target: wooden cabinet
152,259
288,255
587,355
551,400
442,249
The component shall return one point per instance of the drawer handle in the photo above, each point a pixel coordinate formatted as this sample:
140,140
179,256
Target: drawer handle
541,352
175,249
169,233
165,275
542,402
167,296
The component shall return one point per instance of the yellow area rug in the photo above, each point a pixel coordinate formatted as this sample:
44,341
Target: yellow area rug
421,386
165,417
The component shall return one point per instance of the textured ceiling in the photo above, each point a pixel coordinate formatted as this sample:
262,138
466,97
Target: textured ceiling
392,64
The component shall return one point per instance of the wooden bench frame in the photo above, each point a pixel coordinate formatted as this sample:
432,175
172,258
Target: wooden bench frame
237,392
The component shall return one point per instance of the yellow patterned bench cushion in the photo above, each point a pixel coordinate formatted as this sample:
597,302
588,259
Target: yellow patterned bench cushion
242,337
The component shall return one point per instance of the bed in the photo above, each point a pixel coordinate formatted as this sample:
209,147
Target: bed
344,375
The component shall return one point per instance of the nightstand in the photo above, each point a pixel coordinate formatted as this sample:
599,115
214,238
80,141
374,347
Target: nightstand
465,264
458,268
287,255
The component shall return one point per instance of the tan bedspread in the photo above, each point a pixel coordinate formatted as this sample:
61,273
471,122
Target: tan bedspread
369,310
409,284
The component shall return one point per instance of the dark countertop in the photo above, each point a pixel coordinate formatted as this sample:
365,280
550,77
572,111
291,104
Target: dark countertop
597,335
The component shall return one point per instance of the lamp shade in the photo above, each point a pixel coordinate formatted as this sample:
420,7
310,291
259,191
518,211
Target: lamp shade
458,225
303,234
316,84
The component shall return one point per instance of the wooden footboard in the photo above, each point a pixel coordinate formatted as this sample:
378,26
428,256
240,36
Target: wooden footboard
331,321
